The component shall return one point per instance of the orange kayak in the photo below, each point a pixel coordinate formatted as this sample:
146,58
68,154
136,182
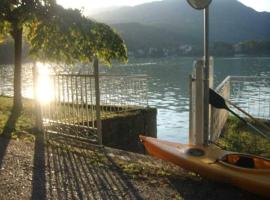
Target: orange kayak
249,172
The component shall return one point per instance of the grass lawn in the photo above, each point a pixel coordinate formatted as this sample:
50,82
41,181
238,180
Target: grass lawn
26,120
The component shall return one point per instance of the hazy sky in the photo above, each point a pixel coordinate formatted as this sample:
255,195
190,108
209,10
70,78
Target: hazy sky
94,5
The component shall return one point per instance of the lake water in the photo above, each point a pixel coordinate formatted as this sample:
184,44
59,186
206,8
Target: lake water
168,86
169,82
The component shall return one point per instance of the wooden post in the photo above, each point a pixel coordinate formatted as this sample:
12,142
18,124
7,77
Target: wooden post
211,72
39,123
97,92
196,136
199,137
191,109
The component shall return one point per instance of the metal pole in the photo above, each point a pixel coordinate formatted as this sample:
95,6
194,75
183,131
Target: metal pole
206,78
97,92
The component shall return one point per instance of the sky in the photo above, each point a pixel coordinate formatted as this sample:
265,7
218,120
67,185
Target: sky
96,5
259,5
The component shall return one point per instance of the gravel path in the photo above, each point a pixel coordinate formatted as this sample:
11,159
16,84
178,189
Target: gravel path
57,170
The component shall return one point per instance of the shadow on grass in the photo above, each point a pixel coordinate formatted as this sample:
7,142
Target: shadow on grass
60,173
7,133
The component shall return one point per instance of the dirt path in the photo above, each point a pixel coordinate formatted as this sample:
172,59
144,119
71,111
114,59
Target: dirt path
32,170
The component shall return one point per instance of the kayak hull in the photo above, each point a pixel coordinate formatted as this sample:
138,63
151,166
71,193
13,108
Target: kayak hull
214,163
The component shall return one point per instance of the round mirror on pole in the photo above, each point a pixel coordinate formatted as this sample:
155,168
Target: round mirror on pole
199,4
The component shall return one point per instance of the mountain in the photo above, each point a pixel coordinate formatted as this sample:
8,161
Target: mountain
173,23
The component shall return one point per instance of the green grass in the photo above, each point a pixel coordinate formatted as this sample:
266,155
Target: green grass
26,120
238,137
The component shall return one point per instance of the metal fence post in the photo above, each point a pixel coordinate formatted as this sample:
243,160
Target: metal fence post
97,92
211,85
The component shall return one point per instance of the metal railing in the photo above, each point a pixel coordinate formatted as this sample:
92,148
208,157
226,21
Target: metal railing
250,93
71,106
67,102
123,92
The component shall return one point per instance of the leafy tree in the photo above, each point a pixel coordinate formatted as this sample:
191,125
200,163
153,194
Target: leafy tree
70,37
55,34
14,15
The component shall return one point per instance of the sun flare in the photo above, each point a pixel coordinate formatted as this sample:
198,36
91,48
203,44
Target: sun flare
44,88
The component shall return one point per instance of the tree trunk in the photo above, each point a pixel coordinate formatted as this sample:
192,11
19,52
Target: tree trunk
17,99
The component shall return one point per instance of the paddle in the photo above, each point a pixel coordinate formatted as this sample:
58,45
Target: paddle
219,102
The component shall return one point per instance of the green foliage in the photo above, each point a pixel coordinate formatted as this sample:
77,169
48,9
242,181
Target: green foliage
239,137
15,14
70,37
4,29
59,34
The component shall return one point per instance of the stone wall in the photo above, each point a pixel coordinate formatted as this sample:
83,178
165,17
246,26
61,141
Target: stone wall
122,131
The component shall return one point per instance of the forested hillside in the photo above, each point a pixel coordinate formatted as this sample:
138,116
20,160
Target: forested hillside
173,23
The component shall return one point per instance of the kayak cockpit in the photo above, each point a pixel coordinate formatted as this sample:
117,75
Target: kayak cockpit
246,161
196,152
